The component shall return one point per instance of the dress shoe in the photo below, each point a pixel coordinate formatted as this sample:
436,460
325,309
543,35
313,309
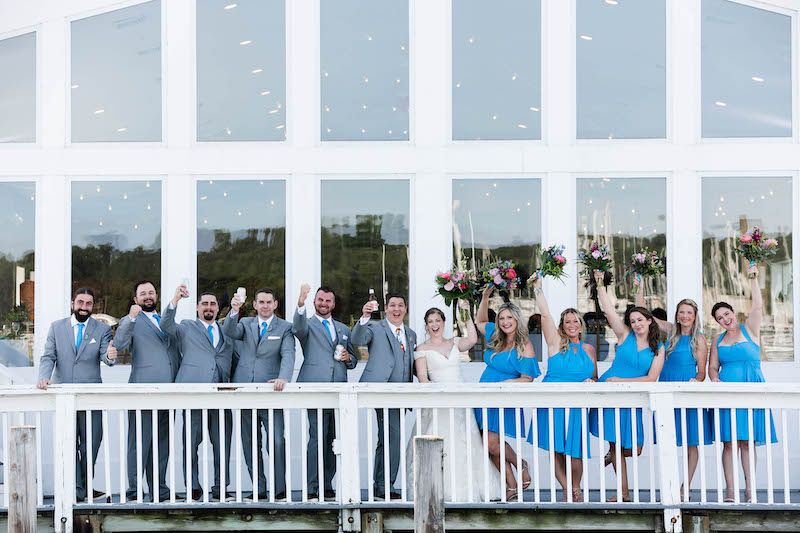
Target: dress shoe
313,496
393,495
330,494
197,494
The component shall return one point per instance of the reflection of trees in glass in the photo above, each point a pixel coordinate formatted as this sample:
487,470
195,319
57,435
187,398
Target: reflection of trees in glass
8,268
252,258
357,257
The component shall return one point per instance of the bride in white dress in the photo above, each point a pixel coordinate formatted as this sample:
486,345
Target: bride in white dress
437,360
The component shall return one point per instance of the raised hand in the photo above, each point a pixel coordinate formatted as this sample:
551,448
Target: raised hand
304,290
488,291
598,277
537,282
236,303
369,308
135,310
181,292
111,352
463,304
752,272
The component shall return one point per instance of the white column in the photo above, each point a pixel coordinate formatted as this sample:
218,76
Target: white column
684,245
178,71
430,72
683,75
179,242
302,72
558,72
303,264
51,42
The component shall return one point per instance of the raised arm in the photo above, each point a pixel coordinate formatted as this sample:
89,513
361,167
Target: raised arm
549,328
663,325
233,327
713,360
483,309
465,343
753,322
168,324
702,358
619,327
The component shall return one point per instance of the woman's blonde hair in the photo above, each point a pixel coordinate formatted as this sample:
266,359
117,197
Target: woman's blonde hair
499,339
563,333
675,335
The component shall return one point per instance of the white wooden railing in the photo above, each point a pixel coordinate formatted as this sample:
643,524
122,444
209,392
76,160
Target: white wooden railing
655,476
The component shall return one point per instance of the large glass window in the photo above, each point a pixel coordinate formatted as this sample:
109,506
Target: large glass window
497,75
241,70
116,75
116,241
18,90
627,214
731,207
364,74
17,244
365,227
621,86
241,239
500,219
746,71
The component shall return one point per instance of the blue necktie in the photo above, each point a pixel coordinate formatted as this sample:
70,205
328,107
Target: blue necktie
211,334
263,330
325,322
158,319
80,336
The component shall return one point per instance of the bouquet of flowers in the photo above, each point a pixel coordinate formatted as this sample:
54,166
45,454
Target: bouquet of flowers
501,274
754,247
552,263
646,264
457,285
595,257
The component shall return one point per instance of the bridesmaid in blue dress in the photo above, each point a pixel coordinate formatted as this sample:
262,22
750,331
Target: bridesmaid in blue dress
638,358
569,360
686,358
509,358
736,356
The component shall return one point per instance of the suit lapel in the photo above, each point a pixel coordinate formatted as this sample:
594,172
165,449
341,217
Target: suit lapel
323,329
87,336
152,326
254,328
204,330
221,343
69,333
395,344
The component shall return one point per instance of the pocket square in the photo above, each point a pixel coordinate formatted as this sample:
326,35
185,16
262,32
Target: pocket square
344,337
92,341
272,337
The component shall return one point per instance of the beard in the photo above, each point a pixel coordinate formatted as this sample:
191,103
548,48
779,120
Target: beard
81,315
208,315
149,307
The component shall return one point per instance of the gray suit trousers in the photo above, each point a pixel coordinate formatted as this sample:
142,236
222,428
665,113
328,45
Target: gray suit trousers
394,450
328,457
147,452
197,436
279,447
81,439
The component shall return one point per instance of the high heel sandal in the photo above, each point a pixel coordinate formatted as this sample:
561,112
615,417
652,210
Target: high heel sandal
577,495
525,484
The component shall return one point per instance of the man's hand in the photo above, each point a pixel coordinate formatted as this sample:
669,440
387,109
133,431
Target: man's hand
43,383
344,355
304,290
111,352
180,292
280,383
135,310
369,307
236,303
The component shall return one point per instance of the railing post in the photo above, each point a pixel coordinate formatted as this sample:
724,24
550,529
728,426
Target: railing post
663,405
64,464
347,447
22,479
428,484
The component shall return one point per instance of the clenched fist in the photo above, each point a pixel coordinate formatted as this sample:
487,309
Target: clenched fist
135,310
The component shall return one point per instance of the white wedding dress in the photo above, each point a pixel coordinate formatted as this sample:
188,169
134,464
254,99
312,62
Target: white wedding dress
459,444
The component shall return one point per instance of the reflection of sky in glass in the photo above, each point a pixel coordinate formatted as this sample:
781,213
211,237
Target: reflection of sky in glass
345,200
746,71
236,207
364,72
501,212
496,69
621,206
125,214
17,218
18,90
621,69
730,204
241,70
116,75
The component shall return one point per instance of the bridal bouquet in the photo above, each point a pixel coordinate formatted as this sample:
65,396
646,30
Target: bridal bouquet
646,264
501,273
457,285
754,247
595,257
552,263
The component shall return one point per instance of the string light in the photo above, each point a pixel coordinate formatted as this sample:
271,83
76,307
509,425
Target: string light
120,130
586,38
99,111
75,86
534,108
265,93
759,79
245,43
720,103
256,70
230,6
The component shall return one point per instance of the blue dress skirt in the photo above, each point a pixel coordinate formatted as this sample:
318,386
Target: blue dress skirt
503,366
573,365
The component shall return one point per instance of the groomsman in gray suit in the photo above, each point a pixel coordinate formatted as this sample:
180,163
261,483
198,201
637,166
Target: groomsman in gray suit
319,335
155,360
72,354
265,348
391,348
206,358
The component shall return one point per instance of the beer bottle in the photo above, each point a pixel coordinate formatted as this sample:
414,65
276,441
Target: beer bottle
376,314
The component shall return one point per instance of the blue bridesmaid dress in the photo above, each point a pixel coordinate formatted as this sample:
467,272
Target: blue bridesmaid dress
681,366
503,366
573,365
741,362
628,363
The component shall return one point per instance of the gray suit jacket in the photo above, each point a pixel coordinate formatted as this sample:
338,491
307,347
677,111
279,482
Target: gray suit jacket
71,365
201,362
261,359
386,356
156,358
319,366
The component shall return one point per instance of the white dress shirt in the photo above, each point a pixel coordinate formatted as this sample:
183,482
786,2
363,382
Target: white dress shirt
331,328
74,322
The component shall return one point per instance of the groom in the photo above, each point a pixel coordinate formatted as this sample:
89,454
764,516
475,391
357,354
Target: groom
391,358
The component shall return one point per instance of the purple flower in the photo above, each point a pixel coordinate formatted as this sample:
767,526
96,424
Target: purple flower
596,254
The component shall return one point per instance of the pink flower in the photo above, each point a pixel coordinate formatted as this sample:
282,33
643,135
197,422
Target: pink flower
594,246
445,275
493,272
596,254
641,258
512,286
497,279
449,286
745,238
770,243
561,259
463,286
511,274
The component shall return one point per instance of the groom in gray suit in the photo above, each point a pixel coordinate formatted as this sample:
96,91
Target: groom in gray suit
265,348
391,359
206,359
155,359
72,354
319,336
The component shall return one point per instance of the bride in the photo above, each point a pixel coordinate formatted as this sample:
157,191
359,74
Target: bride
437,361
